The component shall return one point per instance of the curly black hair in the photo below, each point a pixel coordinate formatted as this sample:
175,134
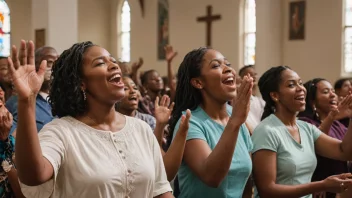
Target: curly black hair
311,87
270,82
65,95
187,97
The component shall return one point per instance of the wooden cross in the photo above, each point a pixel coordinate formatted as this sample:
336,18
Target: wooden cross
209,18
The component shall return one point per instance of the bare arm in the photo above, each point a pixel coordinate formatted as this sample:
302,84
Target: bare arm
264,171
173,157
32,169
170,55
335,149
13,179
165,195
212,166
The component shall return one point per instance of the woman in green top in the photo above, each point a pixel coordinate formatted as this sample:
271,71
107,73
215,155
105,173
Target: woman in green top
284,147
216,161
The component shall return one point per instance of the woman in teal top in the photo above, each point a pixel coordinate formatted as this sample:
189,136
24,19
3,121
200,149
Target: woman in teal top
216,161
284,147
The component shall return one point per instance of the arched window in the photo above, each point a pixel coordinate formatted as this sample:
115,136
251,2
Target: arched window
125,33
348,37
5,45
249,32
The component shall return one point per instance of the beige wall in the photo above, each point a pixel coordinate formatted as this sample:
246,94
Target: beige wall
94,21
320,54
21,20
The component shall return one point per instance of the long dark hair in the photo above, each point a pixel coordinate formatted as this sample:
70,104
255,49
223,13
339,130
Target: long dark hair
65,95
270,82
187,97
311,87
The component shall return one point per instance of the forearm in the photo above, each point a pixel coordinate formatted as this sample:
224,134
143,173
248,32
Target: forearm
173,157
326,125
29,167
170,76
159,132
13,179
248,190
217,165
136,78
346,145
291,191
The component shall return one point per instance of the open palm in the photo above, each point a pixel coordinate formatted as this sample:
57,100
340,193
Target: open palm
26,79
163,110
345,106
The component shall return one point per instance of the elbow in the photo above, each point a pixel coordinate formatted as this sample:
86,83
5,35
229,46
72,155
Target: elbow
30,179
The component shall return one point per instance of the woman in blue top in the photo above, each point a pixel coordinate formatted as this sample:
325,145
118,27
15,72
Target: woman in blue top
284,147
216,160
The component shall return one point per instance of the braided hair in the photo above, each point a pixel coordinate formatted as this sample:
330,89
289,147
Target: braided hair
186,96
269,82
65,95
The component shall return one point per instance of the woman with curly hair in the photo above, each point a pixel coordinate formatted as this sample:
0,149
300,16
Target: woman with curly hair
91,150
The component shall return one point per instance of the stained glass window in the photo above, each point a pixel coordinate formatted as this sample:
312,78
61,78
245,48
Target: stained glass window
348,36
5,45
249,32
125,28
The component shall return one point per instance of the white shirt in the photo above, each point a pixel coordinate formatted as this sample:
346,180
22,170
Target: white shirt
256,111
91,163
44,95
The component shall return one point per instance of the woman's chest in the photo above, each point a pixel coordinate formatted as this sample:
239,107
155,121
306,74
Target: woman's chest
114,162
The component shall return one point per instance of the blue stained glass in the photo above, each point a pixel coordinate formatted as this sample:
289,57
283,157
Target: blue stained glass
5,28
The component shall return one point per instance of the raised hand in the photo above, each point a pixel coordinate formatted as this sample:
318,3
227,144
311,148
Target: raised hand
338,183
169,53
137,65
184,125
5,122
163,110
345,107
241,103
26,79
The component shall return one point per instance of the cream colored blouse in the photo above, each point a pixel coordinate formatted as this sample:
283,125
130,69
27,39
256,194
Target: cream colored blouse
90,163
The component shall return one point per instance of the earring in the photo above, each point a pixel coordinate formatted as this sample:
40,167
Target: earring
84,95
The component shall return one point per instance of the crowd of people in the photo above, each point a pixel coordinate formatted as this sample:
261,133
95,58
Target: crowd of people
84,124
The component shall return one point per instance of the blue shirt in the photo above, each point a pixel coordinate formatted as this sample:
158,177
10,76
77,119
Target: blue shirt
202,127
43,113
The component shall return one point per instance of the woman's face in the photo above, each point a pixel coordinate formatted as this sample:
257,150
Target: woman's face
325,99
2,95
292,94
345,89
132,94
217,79
154,82
101,76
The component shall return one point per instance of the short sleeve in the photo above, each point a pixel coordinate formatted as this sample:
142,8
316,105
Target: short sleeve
161,184
247,137
195,130
52,144
315,132
265,138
